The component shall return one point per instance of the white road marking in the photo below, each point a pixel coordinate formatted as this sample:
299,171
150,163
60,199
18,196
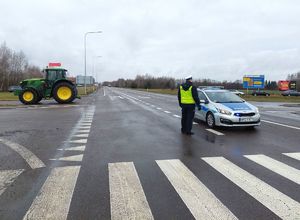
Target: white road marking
121,97
81,135
287,126
202,203
194,123
7,177
84,127
78,148
158,108
76,158
167,112
279,203
153,106
293,155
214,131
83,131
54,198
276,166
87,121
103,91
177,116
127,198
33,161
85,124
79,141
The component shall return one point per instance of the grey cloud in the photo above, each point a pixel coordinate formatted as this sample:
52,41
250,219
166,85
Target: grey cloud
220,39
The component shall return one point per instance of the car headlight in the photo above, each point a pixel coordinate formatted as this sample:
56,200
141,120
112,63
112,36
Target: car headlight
256,111
223,111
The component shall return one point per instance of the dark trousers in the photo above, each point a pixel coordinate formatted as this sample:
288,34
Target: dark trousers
188,113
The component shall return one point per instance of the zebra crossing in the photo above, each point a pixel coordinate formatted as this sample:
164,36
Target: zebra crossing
128,199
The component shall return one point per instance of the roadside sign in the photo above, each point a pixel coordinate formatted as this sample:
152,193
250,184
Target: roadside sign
254,82
283,85
292,85
54,64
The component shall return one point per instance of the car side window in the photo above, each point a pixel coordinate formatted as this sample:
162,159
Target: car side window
202,96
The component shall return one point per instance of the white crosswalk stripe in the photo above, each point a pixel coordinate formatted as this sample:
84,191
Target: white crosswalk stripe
276,166
293,155
198,198
53,200
127,197
279,203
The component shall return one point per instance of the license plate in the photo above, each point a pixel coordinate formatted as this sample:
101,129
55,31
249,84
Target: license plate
246,119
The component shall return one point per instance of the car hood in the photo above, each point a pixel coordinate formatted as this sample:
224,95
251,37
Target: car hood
244,106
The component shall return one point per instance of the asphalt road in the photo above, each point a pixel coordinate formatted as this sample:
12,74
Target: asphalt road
119,154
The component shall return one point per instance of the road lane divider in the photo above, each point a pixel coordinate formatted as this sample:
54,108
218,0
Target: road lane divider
279,203
293,155
84,130
276,166
54,198
127,198
177,116
78,141
283,125
201,202
75,158
167,112
7,177
77,148
214,131
33,161
81,135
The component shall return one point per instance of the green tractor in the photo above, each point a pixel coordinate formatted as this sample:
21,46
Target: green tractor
55,85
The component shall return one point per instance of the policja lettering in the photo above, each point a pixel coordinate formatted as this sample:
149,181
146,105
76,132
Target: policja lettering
188,98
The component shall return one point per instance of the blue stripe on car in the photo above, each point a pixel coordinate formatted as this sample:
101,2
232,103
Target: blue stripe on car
237,106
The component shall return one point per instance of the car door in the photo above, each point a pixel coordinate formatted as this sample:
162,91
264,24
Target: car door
204,107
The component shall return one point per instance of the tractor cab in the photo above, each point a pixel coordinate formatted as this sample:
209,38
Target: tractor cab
54,74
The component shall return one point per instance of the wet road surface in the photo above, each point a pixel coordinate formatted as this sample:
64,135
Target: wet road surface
119,154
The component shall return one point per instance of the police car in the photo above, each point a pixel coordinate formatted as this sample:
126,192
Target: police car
221,107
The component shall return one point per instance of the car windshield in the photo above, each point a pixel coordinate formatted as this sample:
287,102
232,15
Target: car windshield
223,97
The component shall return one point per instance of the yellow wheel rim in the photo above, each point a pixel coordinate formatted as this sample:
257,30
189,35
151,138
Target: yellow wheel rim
64,93
28,96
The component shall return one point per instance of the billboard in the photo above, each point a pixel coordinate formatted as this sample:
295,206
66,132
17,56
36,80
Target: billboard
283,85
254,81
89,80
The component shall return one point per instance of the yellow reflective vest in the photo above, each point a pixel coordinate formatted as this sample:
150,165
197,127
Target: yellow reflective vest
186,96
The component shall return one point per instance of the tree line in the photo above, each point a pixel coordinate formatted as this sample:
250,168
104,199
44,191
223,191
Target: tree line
149,82
14,67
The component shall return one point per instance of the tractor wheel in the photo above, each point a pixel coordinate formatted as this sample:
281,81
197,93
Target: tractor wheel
64,93
28,97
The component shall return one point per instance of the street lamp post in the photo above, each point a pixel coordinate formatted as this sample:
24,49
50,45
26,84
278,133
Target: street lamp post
85,36
94,65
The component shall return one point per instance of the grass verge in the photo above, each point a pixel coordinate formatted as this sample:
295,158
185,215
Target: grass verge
8,96
275,96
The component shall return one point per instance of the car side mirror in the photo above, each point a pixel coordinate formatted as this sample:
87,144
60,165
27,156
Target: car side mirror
202,101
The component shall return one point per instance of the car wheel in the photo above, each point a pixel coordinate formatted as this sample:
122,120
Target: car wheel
210,120
267,95
255,94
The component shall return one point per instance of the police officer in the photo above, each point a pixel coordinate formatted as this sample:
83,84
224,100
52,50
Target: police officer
188,98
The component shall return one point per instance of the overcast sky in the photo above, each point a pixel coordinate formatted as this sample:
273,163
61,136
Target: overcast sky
217,39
